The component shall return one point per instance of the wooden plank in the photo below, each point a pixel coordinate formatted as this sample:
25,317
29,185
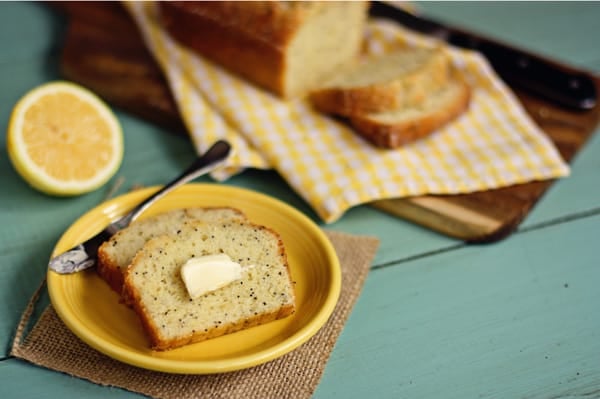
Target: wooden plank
104,51
539,26
487,216
477,217
34,26
516,319
575,195
24,75
17,376
579,193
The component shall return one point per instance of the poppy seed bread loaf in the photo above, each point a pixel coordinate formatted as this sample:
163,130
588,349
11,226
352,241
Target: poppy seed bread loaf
115,255
286,47
314,48
171,318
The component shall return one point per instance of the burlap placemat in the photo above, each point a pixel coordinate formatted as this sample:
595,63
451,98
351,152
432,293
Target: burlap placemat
296,375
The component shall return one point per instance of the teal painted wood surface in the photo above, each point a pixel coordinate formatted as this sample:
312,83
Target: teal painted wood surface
516,319
436,318
560,30
29,31
575,196
19,375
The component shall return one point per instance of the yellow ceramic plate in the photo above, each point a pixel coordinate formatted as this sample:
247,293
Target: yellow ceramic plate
92,311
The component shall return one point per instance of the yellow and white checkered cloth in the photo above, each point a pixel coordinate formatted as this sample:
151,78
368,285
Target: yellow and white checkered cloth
494,144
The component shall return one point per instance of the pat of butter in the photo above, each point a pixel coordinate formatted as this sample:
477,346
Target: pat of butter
209,273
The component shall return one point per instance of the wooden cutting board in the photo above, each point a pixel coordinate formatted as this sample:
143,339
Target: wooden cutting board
104,51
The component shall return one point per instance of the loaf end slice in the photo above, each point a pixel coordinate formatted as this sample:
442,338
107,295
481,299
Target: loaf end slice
392,129
403,78
171,318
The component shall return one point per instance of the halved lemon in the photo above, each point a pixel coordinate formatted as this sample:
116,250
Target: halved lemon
64,140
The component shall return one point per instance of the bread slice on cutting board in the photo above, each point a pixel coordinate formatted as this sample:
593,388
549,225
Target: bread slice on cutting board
396,98
297,48
398,79
397,127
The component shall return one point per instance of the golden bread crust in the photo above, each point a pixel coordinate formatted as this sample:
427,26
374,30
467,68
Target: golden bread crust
109,271
208,35
158,343
272,22
393,134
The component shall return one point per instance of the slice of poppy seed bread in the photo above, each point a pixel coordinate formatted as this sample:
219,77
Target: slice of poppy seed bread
115,255
401,79
392,129
171,318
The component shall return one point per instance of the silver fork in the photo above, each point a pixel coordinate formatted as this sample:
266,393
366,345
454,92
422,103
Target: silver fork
83,256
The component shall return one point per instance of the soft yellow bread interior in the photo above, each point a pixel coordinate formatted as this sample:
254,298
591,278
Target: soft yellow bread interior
329,38
115,255
438,101
394,128
395,65
398,79
172,318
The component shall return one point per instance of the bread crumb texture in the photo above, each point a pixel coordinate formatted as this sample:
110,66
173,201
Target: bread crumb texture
172,318
404,78
115,255
395,128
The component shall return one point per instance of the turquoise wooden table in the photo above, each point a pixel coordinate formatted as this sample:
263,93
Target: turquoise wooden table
437,318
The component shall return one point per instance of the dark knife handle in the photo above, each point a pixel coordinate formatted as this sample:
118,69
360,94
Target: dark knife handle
520,69
533,74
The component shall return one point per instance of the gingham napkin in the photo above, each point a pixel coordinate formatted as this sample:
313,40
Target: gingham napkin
494,144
